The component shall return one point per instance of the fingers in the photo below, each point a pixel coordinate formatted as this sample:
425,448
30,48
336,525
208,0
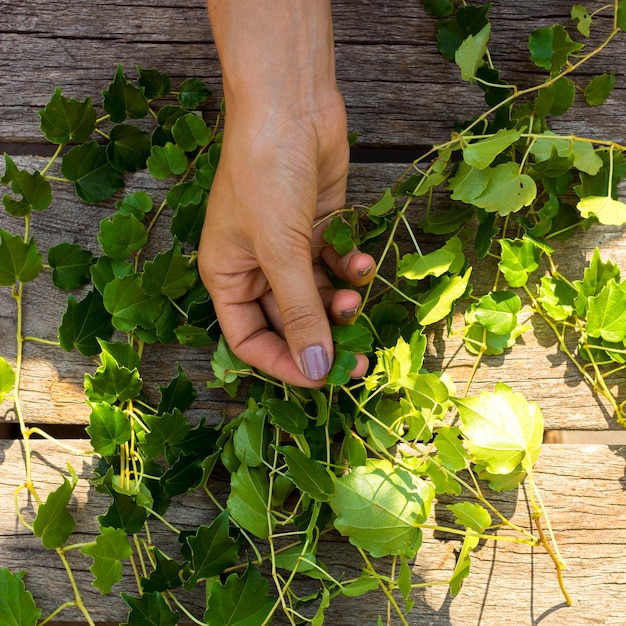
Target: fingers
356,267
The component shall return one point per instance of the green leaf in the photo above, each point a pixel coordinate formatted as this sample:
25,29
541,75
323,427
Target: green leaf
451,452
188,335
438,302
17,607
345,361
287,415
70,265
354,337
507,190
469,182
225,364
380,507
136,204
110,549
555,99
583,20
550,47
149,610
19,261
187,221
557,298
53,523
65,119
596,276
193,93
439,8
240,601
88,167
121,235
470,54
185,474
112,382
248,501
108,428
340,235
33,187
170,273
128,148
7,378
383,206
520,258
191,132
481,153
84,323
463,562
129,305
105,269
167,573
471,515
154,83
124,513
252,436
608,211
621,15
122,99
179,394
497,311
606,317
469,20
501,429
599,89
309,475
212,548
167,160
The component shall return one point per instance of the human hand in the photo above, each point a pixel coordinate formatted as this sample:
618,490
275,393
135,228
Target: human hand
262,254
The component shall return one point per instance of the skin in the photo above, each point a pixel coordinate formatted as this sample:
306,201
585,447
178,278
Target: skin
282,173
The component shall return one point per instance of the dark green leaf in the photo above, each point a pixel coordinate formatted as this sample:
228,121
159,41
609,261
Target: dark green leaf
154,83
65,119
187,222
469,20
309,475
185,475
121,235
288,415
248,501
33,187
192,93
136,204
106,269
170,273
355,338
339,234
87,166
252,435
439,8
122,99
84,323
128,148
19,261
149,610
17,607
70,266
193,336
167,574
108,428
111,382
124,513
550,47
166,431
599,89
344,363
191,132
111,547
168,160
178,394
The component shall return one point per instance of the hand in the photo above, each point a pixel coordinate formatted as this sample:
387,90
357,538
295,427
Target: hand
262,254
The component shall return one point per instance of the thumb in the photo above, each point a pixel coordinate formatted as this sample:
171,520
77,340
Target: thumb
302,314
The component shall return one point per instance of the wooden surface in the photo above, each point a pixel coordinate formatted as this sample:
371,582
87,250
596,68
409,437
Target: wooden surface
400,95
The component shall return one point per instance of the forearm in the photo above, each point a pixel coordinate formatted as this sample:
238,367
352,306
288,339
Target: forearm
277,56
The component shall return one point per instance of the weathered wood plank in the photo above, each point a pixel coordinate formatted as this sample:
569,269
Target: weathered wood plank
398,90
582,487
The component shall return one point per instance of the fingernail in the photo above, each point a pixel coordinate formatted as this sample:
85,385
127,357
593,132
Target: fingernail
315,362
365,271
348,315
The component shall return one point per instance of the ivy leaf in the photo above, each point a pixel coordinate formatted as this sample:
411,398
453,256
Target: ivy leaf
187,221
149,610
252,436
550,47
108,428
380,507
557,297
340,235
70,265
188,335
247,501
354,337
155,84
608,211
471,515
507,190
225,365
497,311
212,548
105,269
65,119
583,20
345,361
17,607
192,93
555,99
481,153
136,204
168,160
439,8
239,601
7,378
19,261
167,574
463,562
84,323
112,382
185,474
128,148
121,235
606,317
88,167
287,415
33,187
469,182
190,132
170,273
122,99
179,394
621,15
450,450
111,547
501,429
520,258
124,514
599,89
470,54
597,274
438,302
53,523
129,305
383,206
469,20
309,475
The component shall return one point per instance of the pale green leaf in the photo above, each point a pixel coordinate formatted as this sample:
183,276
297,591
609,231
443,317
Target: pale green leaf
470,54
481,153
608,211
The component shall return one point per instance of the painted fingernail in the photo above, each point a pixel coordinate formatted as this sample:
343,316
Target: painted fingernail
348,315
365,271
315,362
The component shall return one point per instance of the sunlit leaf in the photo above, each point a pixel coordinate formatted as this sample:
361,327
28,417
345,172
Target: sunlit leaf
110,549
471,515
438,302
520,258
608,210
481,153
606,317
7,378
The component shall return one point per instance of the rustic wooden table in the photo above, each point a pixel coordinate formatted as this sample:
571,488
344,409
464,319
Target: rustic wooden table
402,98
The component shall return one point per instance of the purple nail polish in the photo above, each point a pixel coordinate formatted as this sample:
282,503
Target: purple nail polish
315,362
